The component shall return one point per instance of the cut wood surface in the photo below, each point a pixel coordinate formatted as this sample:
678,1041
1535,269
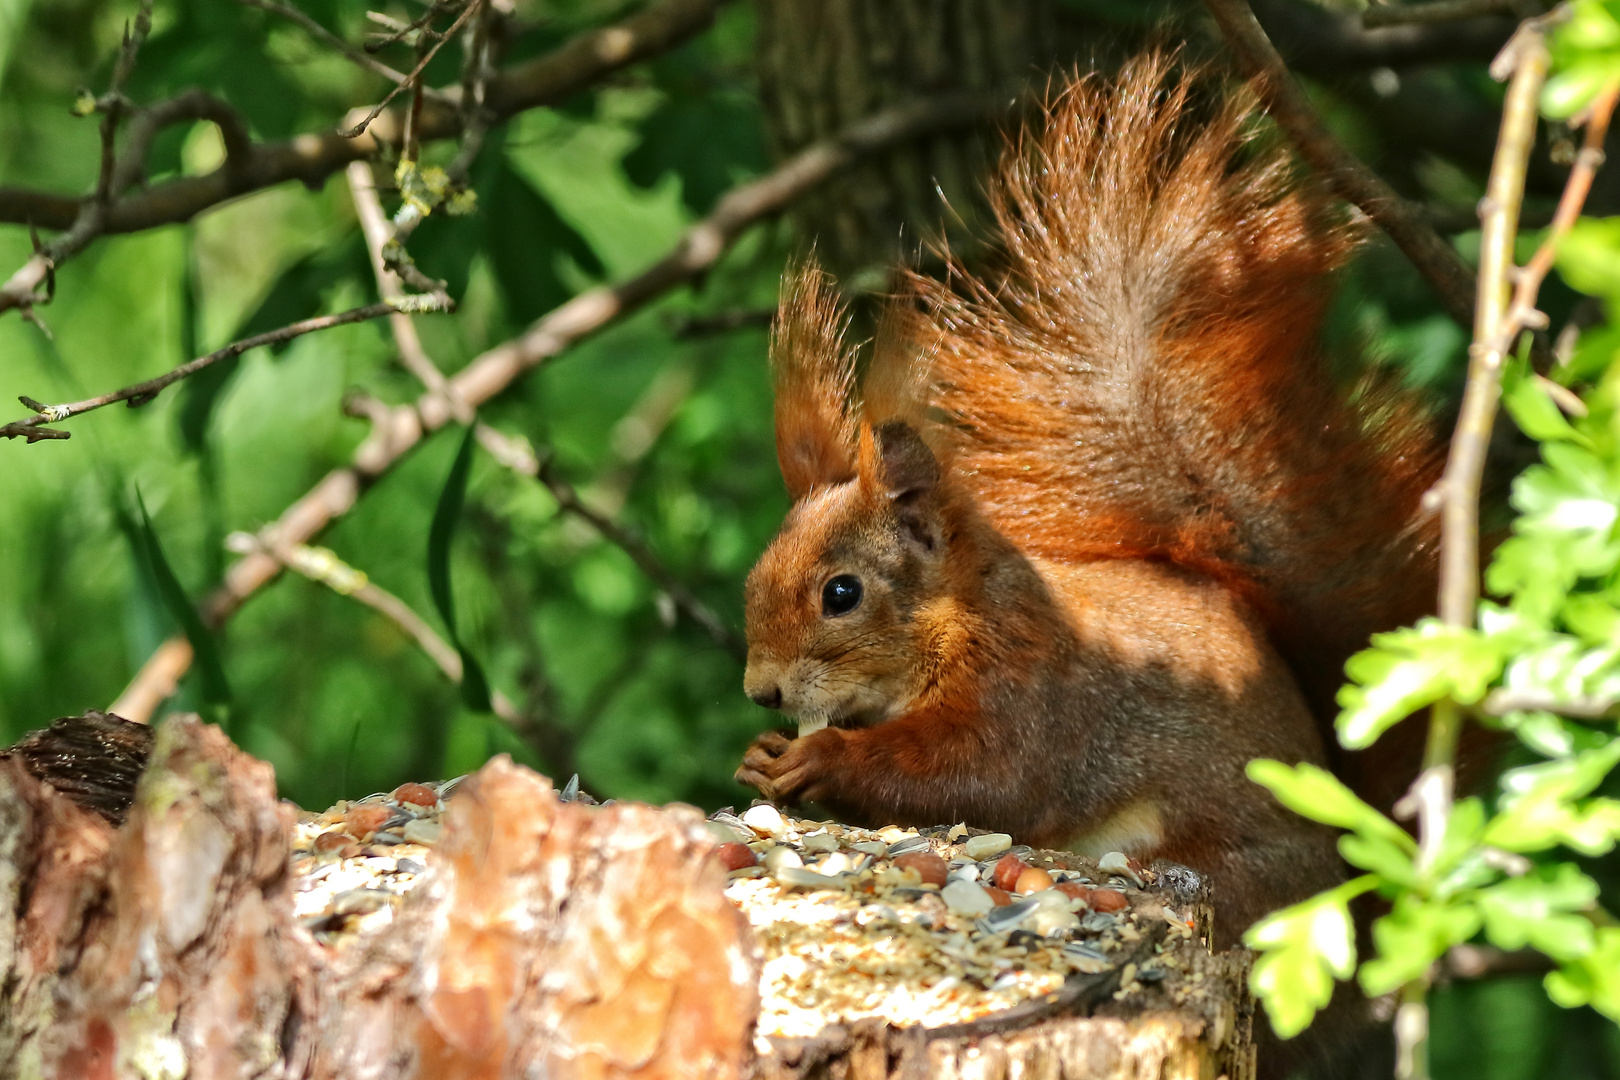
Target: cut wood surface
540,938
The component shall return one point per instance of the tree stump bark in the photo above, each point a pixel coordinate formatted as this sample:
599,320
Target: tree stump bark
544,938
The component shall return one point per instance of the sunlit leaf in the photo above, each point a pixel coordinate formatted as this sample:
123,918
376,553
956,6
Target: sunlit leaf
1532,408
1541,805
1408,669
1411,937
1594,979
1541,910
1315,793
1303,949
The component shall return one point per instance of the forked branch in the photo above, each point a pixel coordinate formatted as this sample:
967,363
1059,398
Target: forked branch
142,392
1404,223
399,430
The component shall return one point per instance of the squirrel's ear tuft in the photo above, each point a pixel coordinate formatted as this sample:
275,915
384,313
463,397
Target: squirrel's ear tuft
815,374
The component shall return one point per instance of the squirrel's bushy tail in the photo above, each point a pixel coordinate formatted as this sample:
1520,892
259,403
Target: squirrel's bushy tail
1143,377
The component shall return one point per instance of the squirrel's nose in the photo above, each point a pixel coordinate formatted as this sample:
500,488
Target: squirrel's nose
770,697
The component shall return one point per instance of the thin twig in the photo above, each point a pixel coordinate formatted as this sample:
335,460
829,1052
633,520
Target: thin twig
1441,266
1526,59
310,158
1323,41
413,79
520,458
93,213
375,228
1522,313
395,432
326,37
1436,11
398,31
113,104
89,219
325,568
1459,485
1484,962
143,392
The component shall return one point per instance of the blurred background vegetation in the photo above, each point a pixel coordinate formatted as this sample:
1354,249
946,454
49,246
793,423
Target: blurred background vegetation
662,421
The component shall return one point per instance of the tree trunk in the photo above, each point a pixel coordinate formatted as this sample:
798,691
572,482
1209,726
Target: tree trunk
545,938
824,64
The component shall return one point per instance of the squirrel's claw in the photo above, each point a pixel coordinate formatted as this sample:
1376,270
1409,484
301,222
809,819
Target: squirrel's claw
772,766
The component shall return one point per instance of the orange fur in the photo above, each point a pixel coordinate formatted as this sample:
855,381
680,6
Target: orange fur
1140,547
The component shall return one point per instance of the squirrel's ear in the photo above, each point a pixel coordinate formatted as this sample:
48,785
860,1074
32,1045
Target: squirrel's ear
815,372
897,462
906,467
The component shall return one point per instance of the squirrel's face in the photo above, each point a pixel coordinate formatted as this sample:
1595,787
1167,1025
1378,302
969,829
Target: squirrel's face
839,604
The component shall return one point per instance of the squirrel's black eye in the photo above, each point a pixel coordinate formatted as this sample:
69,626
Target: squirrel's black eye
841,595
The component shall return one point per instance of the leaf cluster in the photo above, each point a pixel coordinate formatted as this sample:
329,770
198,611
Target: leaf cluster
1542,661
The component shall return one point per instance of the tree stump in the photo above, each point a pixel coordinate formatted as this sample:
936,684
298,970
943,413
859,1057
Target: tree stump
538,937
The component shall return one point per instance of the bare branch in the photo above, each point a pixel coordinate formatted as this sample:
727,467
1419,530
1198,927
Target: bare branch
112,104
1319,41
1526,59
311,158
414,78
1499,214
143,392
159,679
326,37
516,455
323,566
1445,271
1485,962
1522,313
1438,11
396,431
377,231
89,219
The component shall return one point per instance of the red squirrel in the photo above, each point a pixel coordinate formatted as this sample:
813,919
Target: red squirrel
1098,528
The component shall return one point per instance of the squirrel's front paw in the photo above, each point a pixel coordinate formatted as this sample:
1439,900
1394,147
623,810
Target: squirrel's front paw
782,768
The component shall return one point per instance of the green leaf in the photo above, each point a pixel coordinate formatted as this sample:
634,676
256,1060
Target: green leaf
1541,910
298,293
1586,57
215,690
1594,618
1408,669
1568,511
1594,979
1595,351
1392,864
708,140
1459,864
1411,937
1303,949
1539,808
1568,92
1532,408
527,241
1586,257
474,687
1315,793
1551,735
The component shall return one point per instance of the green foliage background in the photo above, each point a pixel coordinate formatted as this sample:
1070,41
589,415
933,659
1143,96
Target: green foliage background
334,695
